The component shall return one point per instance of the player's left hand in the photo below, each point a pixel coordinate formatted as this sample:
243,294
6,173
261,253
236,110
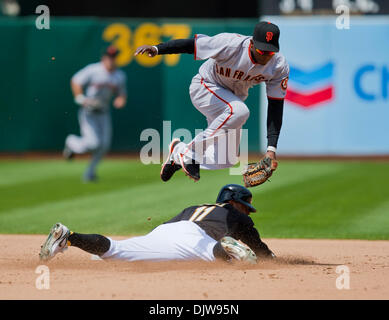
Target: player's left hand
258,173
271,155
119,102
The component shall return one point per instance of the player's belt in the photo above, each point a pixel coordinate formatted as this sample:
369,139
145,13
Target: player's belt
97,111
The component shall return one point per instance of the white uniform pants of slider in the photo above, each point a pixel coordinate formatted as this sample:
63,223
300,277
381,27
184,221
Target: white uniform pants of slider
96,135
183,240
217,147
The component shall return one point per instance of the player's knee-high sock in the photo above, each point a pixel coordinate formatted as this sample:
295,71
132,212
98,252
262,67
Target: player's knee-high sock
91,170
97,155
92,243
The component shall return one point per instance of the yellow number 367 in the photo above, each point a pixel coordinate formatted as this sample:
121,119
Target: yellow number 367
121,36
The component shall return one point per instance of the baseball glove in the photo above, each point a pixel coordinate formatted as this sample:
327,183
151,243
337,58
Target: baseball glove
93,104
257,173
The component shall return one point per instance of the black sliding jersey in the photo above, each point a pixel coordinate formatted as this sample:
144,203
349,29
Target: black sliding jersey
222,219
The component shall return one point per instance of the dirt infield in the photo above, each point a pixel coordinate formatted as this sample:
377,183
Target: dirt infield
305,269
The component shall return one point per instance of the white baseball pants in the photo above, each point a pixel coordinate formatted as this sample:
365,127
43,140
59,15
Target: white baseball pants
183,240
217,147
96,134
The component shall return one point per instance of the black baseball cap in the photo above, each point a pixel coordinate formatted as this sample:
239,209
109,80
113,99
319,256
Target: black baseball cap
266,36
110,51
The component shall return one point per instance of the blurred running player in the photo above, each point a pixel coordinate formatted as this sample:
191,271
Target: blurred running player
93,88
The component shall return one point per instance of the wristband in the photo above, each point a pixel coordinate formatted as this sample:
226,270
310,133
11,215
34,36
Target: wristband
156,48
270,148
79,99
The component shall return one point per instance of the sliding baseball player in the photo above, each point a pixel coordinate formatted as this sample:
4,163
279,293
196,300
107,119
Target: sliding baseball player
206,232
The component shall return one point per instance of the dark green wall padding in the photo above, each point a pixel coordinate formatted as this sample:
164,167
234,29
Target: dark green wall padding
36,105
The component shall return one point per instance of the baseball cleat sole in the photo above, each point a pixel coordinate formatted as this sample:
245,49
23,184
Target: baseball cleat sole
168,161
185,168
238,250
56,242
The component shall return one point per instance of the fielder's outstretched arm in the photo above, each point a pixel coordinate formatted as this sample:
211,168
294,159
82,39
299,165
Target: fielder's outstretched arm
169,47
275,112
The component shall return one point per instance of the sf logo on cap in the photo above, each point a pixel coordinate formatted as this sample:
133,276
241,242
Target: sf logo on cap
269,36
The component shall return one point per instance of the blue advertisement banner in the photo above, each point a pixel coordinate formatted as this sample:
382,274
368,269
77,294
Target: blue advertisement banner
338,89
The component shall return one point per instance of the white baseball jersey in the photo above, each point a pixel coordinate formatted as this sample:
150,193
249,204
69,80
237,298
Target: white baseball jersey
231,65
101,84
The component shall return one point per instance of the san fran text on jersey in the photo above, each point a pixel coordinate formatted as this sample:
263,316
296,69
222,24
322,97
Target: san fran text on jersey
238,74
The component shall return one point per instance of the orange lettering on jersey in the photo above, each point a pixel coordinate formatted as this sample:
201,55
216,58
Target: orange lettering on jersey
221,71
259,78
228,72
240,75
235,73
284,83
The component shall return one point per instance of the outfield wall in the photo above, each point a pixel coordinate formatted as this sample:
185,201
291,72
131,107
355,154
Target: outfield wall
36,105
338,90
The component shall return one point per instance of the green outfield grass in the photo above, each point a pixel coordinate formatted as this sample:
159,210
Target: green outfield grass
305,199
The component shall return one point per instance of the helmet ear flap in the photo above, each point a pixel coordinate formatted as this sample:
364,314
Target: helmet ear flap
225,195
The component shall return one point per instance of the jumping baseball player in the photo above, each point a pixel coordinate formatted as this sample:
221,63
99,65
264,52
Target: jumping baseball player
93,88
204,232
235,63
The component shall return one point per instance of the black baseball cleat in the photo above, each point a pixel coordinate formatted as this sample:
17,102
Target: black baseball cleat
192,169
170,167
68,154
